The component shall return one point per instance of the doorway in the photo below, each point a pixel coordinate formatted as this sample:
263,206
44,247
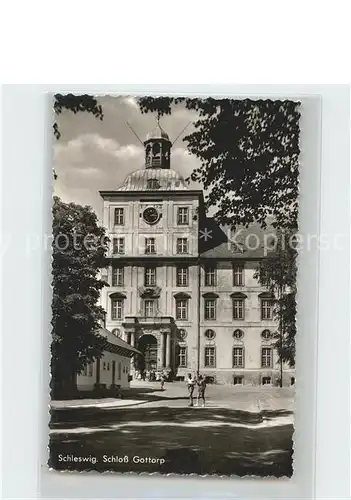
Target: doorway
147,345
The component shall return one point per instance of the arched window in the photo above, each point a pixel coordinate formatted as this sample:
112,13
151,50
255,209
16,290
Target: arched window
238,334
156,148
266,334
210,334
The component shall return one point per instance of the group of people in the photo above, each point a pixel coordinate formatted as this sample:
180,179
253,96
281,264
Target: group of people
199,383
151,376
194,382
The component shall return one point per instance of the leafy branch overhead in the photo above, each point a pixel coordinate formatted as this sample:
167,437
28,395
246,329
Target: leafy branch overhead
249,153
76,104
249,167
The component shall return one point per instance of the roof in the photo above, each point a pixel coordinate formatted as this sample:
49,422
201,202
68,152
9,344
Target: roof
165,180
117,342
244,243
157,133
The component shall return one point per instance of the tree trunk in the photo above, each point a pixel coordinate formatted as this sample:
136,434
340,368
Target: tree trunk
63,385
281,347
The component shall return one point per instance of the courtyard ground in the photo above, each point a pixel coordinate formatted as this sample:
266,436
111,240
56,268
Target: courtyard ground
241,431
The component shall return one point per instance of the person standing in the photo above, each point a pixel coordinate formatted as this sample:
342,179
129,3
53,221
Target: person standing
191,387
162,379
201,387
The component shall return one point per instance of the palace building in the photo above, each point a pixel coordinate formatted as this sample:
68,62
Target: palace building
181,291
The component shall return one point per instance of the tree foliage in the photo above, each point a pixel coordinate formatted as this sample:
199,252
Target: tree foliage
76,104
249,156
277,272
79,251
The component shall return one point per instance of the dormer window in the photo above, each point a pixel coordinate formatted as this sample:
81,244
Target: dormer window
153,184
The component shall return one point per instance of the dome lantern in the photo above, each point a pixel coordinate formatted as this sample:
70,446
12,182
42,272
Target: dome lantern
157,149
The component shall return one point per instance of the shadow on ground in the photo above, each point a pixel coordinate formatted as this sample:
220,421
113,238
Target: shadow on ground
78,417
203,450
198,441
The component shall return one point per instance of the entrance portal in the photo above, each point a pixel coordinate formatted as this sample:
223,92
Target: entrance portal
147,345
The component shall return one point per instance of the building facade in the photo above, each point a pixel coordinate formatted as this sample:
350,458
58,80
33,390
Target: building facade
181,291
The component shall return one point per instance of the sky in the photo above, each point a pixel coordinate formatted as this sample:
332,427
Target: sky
93,155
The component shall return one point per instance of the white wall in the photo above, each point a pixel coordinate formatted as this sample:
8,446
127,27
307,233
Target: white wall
87,383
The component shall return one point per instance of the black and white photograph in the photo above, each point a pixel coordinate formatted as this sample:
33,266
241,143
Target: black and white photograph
174,261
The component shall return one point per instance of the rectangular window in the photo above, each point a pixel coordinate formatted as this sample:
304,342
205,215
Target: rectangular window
150,276
119,216
119,370
182,245
238,309
183,216
266,380
266,309
210,357
238,380
149,308
117,309
181,309
183,357
150,245
117,276
118,245
238,357
182,276
238,275
210,308
266,357
210,276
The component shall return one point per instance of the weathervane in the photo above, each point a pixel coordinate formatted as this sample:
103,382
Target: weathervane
158,123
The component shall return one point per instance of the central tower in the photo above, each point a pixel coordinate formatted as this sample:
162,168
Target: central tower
158,149
152,223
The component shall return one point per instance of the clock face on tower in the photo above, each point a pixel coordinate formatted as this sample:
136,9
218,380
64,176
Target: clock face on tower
151,215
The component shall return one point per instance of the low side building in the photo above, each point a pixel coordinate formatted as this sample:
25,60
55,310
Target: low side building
112,369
